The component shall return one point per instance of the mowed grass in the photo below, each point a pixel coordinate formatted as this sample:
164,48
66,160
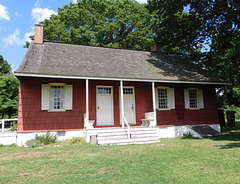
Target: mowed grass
212,160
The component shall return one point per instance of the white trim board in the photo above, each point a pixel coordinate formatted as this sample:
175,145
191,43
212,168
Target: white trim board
116,79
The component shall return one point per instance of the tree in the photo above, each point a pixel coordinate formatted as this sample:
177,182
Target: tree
176,30
8,91
109,23
213,23
4,67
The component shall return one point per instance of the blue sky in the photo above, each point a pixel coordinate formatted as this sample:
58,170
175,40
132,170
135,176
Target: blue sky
17,19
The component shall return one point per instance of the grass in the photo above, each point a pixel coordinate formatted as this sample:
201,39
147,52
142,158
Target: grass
212,160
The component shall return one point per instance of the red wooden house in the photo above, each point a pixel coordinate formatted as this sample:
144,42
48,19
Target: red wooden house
76,90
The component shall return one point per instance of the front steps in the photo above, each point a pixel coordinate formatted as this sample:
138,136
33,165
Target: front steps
139,135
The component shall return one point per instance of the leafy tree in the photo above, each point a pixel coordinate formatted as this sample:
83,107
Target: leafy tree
110,23
4,67
176,30
8,91
215,23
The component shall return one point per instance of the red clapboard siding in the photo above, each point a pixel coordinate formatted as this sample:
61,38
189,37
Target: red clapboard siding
32,118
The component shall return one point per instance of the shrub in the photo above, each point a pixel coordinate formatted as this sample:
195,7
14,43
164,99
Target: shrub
234,108
46,139
188,136
14,127
74,140
33,143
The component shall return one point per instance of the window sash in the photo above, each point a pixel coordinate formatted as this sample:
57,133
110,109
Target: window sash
193,98
162,98
57,97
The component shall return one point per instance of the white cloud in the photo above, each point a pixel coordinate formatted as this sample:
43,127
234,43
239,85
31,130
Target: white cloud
4,14
13,39
17,14
26,36
40,14
74,1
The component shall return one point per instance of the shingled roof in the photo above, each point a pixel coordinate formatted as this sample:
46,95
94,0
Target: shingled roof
60,59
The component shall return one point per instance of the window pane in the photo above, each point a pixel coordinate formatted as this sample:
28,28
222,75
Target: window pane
193,98
56,101
162,98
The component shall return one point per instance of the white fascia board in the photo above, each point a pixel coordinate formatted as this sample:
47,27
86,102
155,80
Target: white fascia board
116,79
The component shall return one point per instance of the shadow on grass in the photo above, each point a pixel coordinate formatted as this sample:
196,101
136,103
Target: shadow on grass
229,134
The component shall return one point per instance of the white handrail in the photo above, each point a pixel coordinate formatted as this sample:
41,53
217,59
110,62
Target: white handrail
128,126
3,122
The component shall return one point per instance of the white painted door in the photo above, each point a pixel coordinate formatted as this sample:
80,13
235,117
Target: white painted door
129,104
104,106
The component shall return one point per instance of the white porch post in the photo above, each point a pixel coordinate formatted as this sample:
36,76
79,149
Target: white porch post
87,105
122,108
154,105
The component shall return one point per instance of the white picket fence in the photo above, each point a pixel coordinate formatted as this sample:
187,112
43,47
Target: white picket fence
2,121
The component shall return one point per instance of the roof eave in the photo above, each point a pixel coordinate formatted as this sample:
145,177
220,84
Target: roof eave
17,74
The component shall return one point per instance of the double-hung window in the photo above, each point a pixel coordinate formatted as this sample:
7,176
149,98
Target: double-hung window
193,98
165,99
56,97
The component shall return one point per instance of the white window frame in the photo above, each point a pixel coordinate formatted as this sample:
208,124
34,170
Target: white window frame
200,100
67,97
170,98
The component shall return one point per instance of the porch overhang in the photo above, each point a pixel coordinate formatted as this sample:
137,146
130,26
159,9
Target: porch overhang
120,79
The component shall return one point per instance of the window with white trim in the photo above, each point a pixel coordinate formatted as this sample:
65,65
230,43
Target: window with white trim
193,98
56,97
165,99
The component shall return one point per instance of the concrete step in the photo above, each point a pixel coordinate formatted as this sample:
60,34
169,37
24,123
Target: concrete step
129,141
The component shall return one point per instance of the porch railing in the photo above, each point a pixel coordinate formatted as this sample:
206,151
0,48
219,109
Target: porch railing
128,127
2,121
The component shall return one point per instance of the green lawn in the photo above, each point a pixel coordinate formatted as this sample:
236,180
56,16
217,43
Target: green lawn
193,161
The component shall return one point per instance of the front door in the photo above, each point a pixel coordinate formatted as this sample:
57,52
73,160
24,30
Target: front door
104,105
129,104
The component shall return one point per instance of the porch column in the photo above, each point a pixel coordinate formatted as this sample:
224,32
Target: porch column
154,105
87,105
122,108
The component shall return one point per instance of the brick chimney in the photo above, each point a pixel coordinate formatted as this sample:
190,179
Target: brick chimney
38,39
156,47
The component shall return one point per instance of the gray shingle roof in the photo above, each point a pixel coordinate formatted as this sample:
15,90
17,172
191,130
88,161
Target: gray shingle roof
88,61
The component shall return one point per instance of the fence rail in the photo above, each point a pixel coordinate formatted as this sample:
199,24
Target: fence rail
2,121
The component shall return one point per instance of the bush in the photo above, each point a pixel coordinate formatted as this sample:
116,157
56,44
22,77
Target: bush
188,136
14,127
74,140
46,139
33,143
234,108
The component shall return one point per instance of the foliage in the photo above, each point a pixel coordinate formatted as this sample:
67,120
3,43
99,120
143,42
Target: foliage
9,95
14,127
4,67
47,138
74,140
8,90
109,23
188,136
33,143
233,108
176,30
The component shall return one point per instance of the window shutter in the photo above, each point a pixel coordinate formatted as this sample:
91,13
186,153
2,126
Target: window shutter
186,97
170,98
68,97
156,98
200,102
45,96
